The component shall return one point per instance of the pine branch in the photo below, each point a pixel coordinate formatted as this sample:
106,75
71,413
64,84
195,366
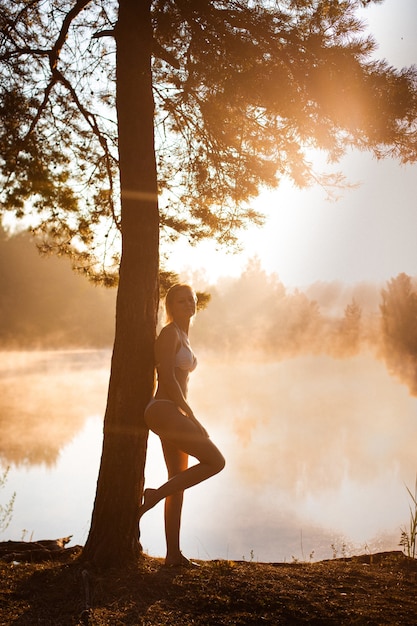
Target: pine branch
91,120
70,16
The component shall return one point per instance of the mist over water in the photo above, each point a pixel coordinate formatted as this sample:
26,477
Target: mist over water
51,414
311,396
45,399
317,447
318,452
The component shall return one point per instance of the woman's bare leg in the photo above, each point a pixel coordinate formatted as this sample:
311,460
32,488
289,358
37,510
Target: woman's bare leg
178,430
176,462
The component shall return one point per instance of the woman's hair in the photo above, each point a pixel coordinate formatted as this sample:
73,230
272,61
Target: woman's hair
170,295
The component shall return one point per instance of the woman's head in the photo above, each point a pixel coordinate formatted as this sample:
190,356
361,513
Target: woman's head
180,299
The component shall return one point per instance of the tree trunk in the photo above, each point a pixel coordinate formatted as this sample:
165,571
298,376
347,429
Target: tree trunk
113,537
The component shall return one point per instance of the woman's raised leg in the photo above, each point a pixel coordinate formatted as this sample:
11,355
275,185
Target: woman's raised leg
176,429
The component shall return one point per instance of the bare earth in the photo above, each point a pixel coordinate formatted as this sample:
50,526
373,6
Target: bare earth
378,589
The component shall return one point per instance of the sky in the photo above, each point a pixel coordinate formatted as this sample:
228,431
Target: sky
366,235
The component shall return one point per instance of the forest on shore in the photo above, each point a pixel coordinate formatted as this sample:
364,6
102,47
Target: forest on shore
46,305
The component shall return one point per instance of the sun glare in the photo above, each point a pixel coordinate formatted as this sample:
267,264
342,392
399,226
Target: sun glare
309,238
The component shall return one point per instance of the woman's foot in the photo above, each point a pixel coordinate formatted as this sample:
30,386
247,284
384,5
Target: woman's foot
179,561
150,498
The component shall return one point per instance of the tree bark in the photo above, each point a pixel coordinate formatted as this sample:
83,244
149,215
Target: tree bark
113,537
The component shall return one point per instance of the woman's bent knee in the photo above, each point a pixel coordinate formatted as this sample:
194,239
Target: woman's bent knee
218,463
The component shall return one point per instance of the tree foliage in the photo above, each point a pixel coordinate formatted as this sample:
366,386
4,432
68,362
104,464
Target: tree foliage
399,315
243,92
351,327
45,304
399,328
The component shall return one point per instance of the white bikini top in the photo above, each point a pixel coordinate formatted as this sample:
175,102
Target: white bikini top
185,358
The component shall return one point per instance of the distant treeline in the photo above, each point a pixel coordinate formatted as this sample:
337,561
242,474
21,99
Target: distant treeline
256,313
44,303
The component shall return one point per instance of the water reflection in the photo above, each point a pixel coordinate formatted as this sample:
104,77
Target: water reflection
45,398
318,452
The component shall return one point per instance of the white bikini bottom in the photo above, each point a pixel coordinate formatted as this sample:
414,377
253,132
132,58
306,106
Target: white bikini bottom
154,400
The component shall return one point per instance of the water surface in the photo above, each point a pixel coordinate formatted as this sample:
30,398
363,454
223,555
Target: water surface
318,454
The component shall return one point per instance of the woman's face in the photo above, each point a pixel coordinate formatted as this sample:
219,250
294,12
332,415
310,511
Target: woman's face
183,305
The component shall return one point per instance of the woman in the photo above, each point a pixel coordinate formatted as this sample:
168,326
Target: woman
170,416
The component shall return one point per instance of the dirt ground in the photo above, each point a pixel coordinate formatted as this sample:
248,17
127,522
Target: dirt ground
377,589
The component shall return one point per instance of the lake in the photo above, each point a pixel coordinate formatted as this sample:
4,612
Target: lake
319,452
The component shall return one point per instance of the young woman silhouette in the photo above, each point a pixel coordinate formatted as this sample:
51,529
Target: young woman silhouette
170,416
